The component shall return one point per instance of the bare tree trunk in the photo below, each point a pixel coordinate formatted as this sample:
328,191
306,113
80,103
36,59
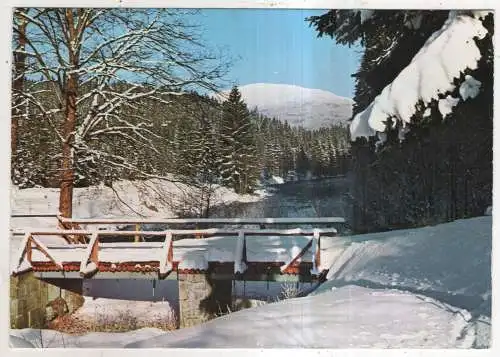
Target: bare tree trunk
207,210
18,83
69,126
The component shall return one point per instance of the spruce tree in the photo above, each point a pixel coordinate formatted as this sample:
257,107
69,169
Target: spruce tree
238,148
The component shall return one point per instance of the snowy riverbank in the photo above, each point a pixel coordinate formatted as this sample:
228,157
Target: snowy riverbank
141,199
150,198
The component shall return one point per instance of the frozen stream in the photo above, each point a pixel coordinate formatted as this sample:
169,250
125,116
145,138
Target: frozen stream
295,199
316,198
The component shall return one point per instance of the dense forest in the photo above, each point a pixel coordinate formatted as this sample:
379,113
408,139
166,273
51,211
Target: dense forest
438,166
198,139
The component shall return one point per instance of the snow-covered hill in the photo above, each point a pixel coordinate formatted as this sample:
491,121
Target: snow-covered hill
311,108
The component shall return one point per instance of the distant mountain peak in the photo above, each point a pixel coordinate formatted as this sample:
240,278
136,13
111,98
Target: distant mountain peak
299,106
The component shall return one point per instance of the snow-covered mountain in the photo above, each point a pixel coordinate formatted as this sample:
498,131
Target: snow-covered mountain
311,108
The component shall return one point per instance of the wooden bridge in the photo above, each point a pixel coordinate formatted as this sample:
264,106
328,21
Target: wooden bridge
231,252
205,256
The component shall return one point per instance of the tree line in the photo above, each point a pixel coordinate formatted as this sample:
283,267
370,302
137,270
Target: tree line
197,139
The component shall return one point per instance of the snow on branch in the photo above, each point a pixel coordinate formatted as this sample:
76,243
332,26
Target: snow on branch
121,59
442,59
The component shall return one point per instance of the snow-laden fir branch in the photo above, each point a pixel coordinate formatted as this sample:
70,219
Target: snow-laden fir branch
432,72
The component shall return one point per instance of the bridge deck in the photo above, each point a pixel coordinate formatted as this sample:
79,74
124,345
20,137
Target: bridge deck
262,255
256,271
187,253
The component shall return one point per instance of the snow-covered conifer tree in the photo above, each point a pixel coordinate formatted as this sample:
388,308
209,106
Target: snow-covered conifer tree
238,165
423,93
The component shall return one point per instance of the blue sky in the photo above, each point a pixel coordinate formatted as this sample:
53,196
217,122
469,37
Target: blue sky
278,46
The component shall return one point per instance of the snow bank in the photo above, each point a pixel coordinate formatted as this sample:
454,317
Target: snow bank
451,262
55,339
277,180
346,317
143,312
430,73
150,198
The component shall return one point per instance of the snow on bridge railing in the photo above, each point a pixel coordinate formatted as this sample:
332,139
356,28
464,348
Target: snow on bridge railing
263,221
90,262
32,215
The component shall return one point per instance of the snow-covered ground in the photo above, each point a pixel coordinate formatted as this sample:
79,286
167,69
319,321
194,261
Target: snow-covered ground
349,317
344,318
52,338
449,261
428,287
151,198
142,313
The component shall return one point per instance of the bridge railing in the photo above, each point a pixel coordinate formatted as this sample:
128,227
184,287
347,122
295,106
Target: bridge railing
204,221
90,262
199,223
71,230
76,223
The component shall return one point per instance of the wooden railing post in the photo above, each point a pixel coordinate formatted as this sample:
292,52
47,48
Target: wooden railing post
167,256
137,237
239,255
65,223
29,249
90,261
317,252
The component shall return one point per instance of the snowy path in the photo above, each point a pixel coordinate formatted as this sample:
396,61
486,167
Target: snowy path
348,317
55,339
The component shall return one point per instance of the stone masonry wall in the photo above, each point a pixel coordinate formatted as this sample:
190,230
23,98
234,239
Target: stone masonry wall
29,297
201,299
